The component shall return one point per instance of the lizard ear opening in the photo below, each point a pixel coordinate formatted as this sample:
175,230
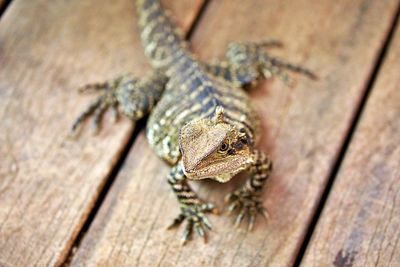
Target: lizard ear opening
219,115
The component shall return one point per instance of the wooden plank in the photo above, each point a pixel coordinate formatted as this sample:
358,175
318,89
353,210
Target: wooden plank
303,128
48,183
360,224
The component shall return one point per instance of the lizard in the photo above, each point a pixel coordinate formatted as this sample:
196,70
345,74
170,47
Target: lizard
201,121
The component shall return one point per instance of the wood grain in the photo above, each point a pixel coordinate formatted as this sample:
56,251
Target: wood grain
49,183
303,127
360,224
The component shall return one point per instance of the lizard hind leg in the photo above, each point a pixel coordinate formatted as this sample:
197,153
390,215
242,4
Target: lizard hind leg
245,63
255,53
134,98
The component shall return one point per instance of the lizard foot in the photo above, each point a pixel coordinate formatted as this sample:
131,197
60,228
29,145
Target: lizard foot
248,204
196,220
253,53
108,98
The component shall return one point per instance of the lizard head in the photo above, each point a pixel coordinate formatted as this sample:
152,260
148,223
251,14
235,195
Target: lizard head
212,148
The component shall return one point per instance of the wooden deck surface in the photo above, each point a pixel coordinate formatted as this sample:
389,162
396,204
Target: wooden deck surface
360,224
52,210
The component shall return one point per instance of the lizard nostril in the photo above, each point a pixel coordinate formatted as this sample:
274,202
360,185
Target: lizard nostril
239,145
231,151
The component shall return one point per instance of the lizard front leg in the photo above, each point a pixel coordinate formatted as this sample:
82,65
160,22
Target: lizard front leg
246,63
192,209
134,98
247,199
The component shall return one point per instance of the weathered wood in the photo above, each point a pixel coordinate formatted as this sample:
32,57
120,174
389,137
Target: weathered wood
360,224
48,183
303,131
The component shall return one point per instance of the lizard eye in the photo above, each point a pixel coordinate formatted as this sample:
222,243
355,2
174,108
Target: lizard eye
224,147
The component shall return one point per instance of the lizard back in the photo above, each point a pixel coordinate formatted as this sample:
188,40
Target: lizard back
191,92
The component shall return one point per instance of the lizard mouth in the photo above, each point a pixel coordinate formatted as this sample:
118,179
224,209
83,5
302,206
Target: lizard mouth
220,171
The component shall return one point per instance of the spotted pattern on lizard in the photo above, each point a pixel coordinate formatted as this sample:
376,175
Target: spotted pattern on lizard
201,121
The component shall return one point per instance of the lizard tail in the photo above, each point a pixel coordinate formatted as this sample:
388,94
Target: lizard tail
156,27
144,4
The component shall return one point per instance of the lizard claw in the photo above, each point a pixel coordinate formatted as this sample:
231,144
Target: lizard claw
196,220
108,99
247,204
98,107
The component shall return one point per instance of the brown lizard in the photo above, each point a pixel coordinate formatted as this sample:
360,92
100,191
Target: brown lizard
201,120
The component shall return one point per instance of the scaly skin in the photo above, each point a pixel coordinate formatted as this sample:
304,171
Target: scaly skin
201,120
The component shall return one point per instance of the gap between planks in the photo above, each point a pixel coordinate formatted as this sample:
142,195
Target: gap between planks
129,228
139,126
349,136
360,222
3,6
50,183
